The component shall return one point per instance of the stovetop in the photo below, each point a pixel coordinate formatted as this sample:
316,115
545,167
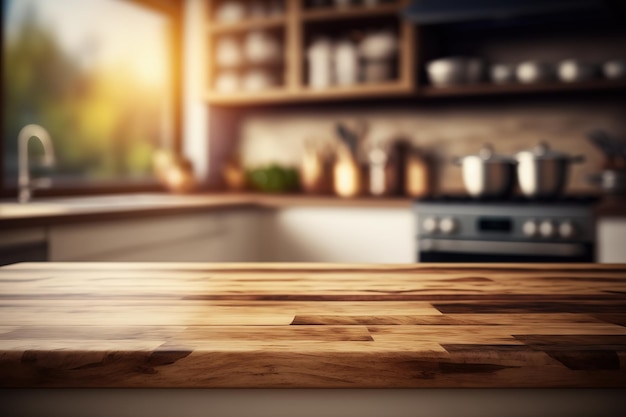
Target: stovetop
574,199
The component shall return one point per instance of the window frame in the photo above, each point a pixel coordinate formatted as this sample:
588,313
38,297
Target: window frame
173,9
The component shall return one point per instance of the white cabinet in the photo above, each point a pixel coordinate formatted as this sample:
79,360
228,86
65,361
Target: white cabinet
197,237
338,234
241,240
612,240
300,234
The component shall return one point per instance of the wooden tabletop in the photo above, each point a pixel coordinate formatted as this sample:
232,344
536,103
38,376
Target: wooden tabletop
312,325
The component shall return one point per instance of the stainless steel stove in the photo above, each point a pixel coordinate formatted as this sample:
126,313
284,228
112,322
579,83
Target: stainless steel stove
462,229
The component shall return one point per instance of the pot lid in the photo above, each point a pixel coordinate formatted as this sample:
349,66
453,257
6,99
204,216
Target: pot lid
487,154
543,151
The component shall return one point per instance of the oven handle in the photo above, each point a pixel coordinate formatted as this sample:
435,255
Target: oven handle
500,248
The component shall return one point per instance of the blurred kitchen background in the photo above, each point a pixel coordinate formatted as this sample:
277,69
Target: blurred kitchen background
314,130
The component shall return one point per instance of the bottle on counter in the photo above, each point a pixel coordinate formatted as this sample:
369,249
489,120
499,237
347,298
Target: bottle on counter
315,170
417,174
347,174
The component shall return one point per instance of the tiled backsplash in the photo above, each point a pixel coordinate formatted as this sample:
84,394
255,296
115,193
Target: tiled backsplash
445,129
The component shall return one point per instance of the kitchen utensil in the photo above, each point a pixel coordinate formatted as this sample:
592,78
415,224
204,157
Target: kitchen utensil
417,175
502,73
534,72
378,50
230,11
455,70
320,56
234,174
615,69
572,70
542,172
446,71
352,136
315,170
377,71
258,79
613,148
347,174
228,52
611,181
227,82
174,172
487,174
383,175
379,45
346,63
261,47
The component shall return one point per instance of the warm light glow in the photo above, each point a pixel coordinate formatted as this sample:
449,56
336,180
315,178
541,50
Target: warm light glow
98,28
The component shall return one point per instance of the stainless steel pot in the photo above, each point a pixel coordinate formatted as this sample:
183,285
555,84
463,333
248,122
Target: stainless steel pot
542,172
488,175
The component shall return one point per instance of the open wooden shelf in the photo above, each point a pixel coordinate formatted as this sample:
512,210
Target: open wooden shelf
284,95
513,88
354,12
247,25
270,96
294,31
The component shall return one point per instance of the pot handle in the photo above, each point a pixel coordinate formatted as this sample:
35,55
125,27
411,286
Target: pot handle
577,159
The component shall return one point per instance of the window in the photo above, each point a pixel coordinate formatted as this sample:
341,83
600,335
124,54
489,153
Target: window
101,77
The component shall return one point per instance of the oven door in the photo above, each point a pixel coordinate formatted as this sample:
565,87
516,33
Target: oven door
449,250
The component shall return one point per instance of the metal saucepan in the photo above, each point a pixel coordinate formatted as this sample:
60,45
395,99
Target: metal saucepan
488,175
542,172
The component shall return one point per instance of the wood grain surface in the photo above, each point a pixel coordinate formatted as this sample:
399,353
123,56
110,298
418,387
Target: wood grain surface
312,325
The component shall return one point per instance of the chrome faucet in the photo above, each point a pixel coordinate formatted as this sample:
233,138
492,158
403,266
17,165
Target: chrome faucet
24,181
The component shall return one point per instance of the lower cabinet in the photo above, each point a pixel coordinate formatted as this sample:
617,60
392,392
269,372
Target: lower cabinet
199,237
23,245
339,234
612,240
300,234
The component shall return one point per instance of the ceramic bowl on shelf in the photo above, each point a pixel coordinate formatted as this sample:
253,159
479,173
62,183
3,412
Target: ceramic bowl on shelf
455,70
572,70
228,52
227,82
379,45
230,11
261,47
258,80
614,69
529,72
446,71
502,73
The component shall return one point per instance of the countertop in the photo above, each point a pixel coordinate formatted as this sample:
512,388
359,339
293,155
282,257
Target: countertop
44,212
312,325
